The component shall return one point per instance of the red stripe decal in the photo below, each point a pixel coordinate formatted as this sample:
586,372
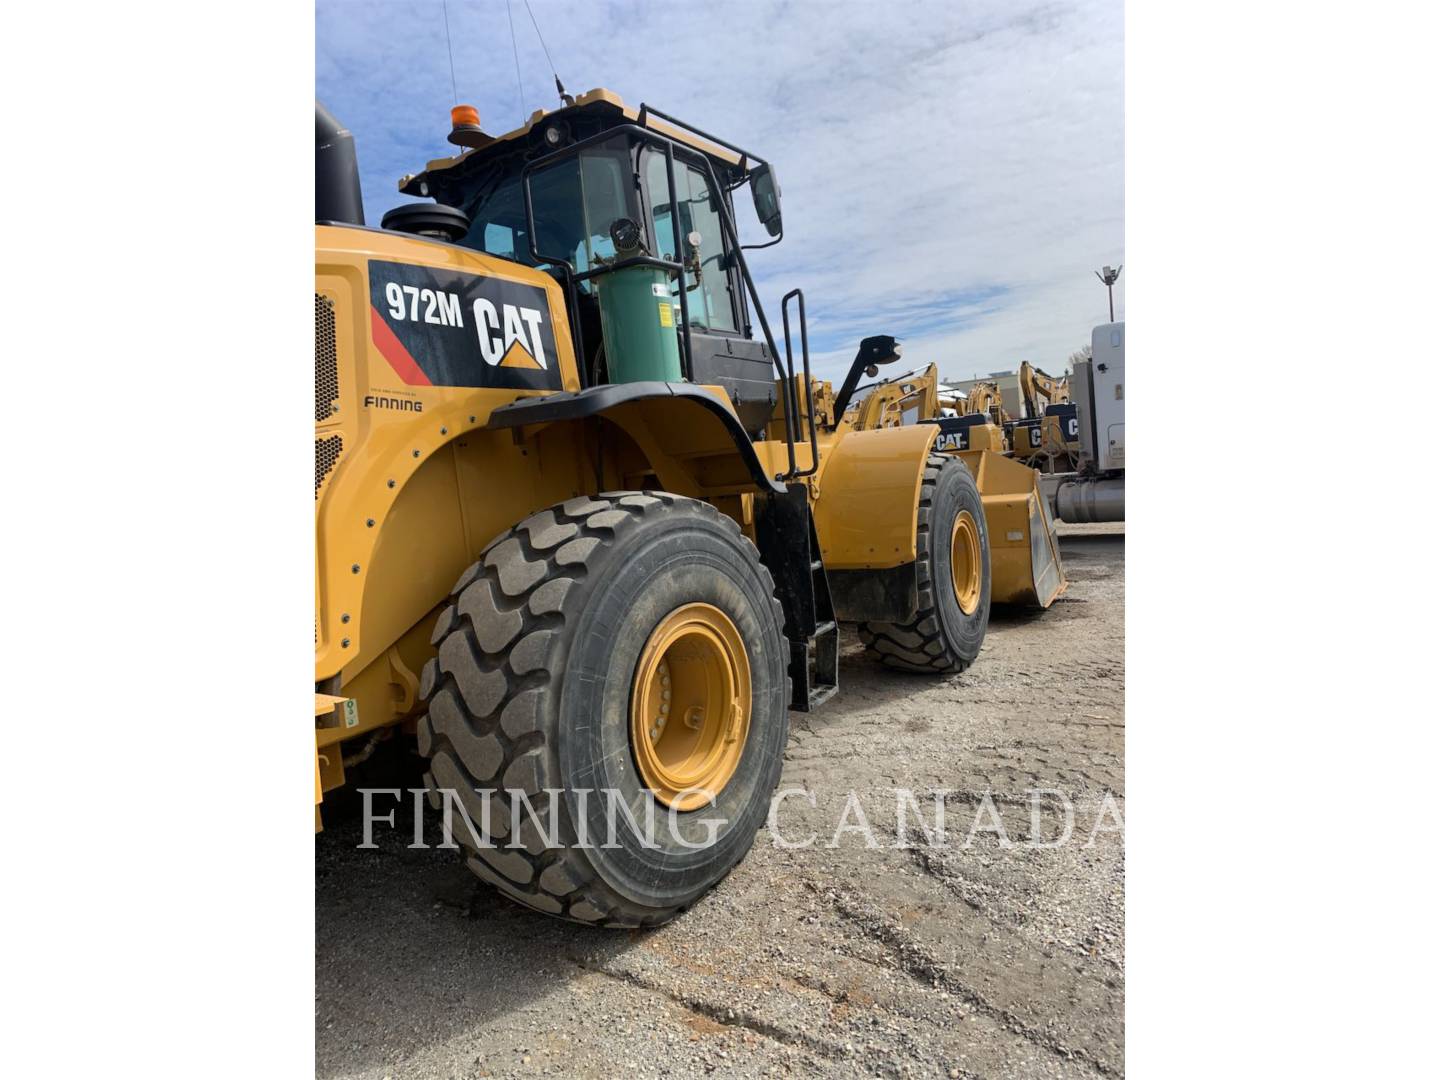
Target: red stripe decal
394,351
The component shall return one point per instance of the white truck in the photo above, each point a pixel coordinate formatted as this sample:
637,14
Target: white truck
1096,490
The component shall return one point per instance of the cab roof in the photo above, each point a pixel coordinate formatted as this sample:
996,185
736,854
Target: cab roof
600,105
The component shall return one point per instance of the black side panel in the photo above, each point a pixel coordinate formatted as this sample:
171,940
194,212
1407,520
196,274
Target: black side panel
875,595
1069,419
743,368
597,399
955,434
790,550
782,530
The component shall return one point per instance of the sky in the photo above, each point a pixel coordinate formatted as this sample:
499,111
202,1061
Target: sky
951,173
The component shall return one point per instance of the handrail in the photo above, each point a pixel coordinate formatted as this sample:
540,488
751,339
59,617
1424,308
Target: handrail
799,296
745,156
734,237
744,164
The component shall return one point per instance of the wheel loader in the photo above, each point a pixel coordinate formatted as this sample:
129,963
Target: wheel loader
1025,553
584,531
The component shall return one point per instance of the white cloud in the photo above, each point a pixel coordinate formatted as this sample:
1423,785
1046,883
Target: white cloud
952,174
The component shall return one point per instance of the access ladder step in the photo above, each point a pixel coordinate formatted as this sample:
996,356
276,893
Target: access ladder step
815,667
821,694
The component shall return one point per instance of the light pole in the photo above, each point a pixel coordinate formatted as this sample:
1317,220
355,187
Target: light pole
1109,275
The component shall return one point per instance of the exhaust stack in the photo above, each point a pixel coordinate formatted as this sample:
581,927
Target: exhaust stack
337,173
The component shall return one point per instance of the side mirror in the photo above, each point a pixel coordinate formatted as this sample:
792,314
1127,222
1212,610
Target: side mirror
874,352
880,349
766,190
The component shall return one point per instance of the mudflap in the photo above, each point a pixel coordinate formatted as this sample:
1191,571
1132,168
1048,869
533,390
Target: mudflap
1025,563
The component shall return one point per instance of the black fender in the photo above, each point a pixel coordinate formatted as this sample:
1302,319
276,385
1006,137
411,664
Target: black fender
598,400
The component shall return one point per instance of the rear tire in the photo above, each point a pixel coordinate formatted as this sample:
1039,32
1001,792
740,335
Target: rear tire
531,690
943,637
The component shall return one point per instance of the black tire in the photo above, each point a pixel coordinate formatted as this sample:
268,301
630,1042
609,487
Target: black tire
941,638
531,686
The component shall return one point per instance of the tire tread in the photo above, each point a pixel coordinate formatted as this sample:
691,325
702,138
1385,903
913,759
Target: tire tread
529,572
919,645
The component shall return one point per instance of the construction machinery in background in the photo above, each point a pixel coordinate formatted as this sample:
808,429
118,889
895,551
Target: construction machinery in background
916,396
977,421
1095,490
983,399
901,400
1047,437
1075,437
1035,385
971,428
584,534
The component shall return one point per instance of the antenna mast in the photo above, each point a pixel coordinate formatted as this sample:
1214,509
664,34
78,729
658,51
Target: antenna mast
450,49
559,86
515,48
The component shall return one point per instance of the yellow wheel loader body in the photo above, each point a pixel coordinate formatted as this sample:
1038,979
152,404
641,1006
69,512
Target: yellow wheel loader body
500,503
409,484
867,493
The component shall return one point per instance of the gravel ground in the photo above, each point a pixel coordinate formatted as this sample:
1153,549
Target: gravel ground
982,957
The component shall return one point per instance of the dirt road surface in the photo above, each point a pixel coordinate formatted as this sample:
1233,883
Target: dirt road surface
984,956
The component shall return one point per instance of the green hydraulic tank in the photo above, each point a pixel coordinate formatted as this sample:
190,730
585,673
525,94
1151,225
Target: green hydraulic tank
637,320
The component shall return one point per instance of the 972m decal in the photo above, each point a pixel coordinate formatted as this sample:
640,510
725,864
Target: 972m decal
440,327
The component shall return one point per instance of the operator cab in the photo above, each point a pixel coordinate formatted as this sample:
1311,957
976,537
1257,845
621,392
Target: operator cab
623,205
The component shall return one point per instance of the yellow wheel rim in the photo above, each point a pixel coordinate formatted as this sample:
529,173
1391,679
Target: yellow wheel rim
965,562
690,706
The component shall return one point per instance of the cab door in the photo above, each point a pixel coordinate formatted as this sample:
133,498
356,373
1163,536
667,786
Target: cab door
710,287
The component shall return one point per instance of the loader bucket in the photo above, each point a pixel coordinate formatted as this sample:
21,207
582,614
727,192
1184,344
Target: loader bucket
1024,553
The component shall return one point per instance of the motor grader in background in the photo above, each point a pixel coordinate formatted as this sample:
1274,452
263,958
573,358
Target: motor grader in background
580,531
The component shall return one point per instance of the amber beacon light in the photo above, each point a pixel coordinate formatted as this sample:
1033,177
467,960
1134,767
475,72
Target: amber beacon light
465,125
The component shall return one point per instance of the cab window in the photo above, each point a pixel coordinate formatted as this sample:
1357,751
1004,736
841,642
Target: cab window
710,301
575,201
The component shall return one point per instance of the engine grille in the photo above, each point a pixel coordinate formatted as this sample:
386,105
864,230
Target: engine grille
327,452
327,379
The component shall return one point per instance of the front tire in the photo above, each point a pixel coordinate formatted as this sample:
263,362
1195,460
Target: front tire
953,573
534,688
